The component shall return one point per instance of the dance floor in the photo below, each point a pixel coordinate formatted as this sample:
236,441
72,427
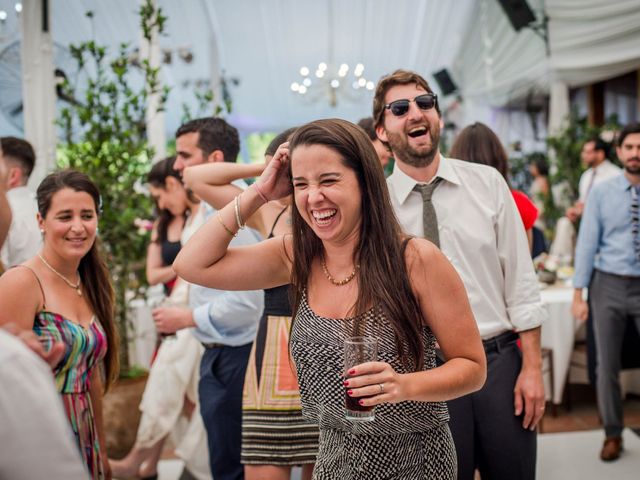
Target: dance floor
561,456
574,455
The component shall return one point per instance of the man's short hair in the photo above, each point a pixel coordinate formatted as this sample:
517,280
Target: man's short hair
20,153
599,145
628,130
399,77
369,128
214,134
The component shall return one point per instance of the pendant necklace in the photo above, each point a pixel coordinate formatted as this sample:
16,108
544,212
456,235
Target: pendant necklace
75,286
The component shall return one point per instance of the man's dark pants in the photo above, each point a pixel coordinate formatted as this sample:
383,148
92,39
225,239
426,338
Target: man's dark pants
487,434
222,371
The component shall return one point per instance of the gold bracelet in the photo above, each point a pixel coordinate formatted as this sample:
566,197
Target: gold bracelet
225,227
236,206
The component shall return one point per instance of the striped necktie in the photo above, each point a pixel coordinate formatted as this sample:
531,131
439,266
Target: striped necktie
635,219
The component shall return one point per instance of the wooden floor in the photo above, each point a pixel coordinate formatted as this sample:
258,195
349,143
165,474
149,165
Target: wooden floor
581,412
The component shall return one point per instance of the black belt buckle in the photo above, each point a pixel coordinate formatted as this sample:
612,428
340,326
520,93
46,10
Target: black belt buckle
212,345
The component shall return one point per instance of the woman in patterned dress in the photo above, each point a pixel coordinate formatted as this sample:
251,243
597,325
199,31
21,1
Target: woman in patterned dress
354,272
275,435
64,294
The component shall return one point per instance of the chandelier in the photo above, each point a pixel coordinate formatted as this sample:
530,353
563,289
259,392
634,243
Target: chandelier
330,83
9,22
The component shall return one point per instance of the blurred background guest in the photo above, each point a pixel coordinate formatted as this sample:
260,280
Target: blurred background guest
384,154
477,143
169,404
24,239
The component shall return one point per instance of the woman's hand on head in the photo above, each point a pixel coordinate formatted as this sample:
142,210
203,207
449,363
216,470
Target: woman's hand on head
376,383
275,183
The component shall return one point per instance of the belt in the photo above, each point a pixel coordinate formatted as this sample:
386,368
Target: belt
622,277
497,343
213,345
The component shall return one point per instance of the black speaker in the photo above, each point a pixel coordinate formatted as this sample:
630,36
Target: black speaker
445,82
519,13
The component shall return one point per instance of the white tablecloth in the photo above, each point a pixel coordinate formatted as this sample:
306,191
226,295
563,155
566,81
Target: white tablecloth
558,334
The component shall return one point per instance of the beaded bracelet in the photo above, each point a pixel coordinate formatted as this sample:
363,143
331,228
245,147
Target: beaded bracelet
236,207
225,227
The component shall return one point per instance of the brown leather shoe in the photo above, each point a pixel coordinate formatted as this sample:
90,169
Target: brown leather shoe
611,449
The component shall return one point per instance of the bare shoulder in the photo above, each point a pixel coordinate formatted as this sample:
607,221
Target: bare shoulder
287,249
420,253
19,278
264,218
19,291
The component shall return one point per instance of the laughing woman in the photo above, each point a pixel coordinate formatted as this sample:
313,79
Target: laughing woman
353,271
64,294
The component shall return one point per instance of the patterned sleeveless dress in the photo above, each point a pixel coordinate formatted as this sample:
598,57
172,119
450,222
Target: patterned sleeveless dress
408,440
85,348
274,431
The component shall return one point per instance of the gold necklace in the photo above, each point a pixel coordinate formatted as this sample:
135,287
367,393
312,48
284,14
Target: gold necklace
74,286
338,283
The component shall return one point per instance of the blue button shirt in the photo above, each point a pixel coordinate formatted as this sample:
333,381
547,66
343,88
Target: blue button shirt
227,317
605,241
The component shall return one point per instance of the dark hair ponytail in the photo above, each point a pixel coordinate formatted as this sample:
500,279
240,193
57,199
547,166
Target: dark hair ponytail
157,177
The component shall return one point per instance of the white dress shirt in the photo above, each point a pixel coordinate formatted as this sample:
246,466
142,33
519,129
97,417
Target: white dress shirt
593,176
35,437
24,237
481,234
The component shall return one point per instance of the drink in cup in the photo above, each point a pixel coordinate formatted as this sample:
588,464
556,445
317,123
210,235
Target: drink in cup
358,350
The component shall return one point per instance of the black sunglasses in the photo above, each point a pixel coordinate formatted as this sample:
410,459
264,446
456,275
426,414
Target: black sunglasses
424,102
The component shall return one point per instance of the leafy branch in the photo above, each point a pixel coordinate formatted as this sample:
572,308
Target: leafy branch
104,132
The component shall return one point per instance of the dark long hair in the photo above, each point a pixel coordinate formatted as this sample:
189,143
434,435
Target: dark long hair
383,279
278,140
477,143
93,270
157,177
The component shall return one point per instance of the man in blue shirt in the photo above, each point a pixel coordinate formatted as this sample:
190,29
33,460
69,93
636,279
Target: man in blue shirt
224,322
608,262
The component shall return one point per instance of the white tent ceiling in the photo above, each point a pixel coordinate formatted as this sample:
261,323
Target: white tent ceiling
263,44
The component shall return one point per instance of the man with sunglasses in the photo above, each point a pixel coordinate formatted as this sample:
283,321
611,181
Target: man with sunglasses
467,210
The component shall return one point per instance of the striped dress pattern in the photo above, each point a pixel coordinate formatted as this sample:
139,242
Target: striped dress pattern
407,440
274,432
85,348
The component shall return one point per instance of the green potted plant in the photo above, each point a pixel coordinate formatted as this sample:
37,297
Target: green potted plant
104,135
104,132
567,147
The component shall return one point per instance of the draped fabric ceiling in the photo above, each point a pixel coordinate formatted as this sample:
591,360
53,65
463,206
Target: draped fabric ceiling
261,45
588,41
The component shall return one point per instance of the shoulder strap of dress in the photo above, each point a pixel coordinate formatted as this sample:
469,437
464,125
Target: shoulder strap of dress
44,300
273,227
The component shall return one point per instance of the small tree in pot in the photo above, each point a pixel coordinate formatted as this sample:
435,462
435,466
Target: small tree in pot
104,131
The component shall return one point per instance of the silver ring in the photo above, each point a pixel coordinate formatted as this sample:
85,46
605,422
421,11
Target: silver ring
381,385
